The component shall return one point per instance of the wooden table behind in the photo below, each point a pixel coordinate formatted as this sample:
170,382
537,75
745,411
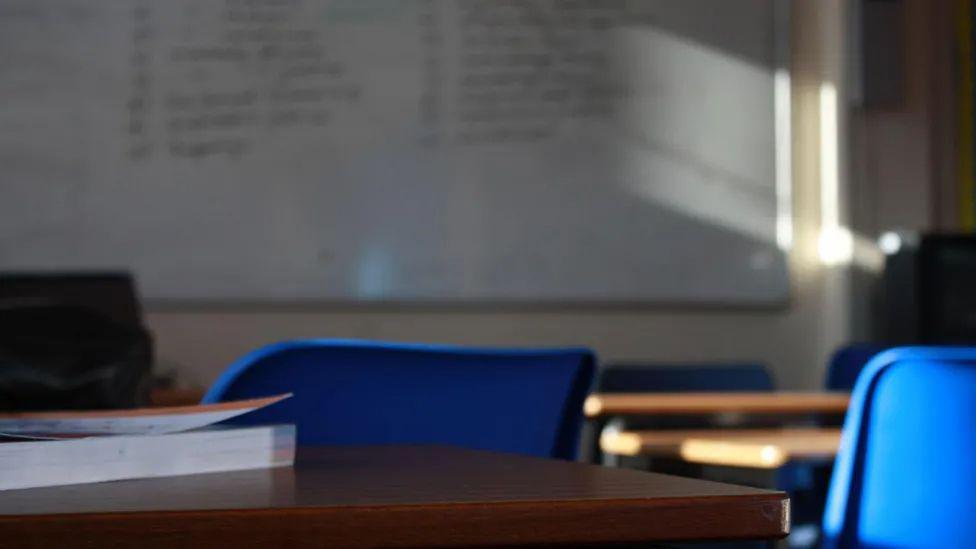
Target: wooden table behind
610,404
394,496
756,448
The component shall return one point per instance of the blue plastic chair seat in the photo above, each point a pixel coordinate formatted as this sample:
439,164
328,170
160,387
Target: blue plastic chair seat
904,475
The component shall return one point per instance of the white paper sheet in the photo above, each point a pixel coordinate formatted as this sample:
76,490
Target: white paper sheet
139,421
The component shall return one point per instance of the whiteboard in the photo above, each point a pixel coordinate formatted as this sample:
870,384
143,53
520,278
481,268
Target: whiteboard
397,150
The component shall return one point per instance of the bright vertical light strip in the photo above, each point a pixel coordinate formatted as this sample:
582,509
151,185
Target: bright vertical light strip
829,198
784,159
836,244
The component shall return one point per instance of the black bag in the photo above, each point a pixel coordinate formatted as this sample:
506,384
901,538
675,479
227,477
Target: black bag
60,357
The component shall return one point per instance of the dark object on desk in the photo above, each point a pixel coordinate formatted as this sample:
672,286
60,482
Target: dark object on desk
74,340
946,289
395,496
65,357
904,476
928,291
112,294
524,401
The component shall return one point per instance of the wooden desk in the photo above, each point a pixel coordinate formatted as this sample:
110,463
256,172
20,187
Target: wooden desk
421,496
757,448
618,404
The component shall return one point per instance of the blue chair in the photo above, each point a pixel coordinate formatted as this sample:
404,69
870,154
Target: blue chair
357,392
847,362
904,475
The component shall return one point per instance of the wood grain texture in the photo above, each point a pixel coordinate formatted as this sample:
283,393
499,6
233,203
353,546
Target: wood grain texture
600,405
394,496
757,448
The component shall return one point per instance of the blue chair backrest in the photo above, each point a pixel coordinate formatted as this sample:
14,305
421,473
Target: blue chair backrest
847,362
634,378
904,475
356,392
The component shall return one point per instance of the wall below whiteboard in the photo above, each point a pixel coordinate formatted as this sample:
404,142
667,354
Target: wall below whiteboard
201,344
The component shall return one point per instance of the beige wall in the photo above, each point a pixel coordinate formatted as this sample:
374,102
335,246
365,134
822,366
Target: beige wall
794,341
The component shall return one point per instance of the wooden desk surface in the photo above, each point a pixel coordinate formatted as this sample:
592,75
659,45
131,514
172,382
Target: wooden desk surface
393,496
610,404
757,448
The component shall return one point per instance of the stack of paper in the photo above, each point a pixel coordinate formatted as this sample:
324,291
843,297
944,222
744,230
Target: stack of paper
55,448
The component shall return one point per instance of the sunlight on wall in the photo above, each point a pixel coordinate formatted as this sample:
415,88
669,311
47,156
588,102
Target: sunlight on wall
837,245
716,153
835,242
784,157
